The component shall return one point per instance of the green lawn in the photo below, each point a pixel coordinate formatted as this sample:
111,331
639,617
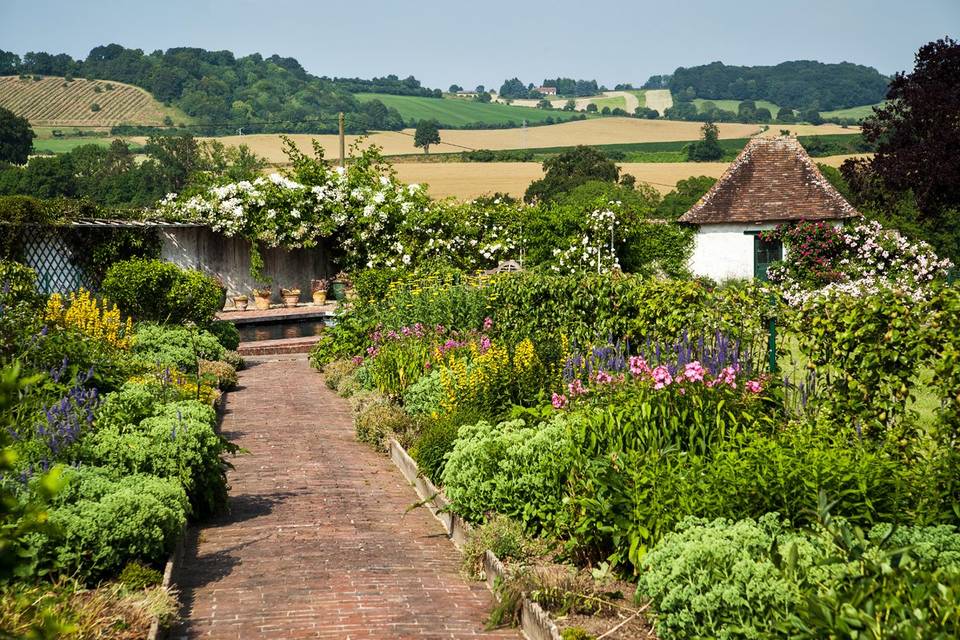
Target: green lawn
460,112
853,112
732,105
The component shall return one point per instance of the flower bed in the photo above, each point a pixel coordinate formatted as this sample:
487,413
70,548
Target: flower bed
109,446
632,426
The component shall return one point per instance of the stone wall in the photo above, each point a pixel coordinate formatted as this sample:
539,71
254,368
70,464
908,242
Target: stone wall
229,259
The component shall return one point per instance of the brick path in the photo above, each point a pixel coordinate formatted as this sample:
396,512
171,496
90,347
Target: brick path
316,543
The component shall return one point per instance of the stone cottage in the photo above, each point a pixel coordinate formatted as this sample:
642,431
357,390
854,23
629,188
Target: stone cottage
772,181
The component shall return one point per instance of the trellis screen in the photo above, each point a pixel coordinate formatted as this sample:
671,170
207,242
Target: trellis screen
45,249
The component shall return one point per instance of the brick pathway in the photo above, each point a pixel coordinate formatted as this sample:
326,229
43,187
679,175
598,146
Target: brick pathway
316,543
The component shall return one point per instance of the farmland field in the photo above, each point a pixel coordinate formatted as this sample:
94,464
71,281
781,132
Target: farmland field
467,180
53,101
459,112
853,112
614,102
732,105
658,99
599,131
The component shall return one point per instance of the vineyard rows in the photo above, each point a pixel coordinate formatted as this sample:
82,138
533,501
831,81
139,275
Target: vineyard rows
56,102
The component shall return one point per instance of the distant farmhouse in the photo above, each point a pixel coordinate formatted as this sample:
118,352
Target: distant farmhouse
547,91
772,181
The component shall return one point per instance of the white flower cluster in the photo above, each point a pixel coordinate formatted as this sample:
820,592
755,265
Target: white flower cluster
596,249
875,258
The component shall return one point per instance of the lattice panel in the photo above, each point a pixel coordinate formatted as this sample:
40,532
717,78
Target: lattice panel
47,252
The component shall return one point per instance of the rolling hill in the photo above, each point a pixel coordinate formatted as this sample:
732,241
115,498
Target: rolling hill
461,112
54,101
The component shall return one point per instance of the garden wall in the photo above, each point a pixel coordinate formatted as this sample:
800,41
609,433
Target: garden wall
229,259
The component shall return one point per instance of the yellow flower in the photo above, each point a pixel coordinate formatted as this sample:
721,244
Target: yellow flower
84,314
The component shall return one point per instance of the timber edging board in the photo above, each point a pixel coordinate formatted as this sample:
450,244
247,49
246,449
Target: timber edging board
535,623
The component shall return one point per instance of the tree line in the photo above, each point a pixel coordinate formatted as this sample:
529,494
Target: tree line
566,87
802,85
225,92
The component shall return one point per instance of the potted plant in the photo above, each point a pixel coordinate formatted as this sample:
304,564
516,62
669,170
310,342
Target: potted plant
240,302
318,288
261,297
339,287
290,297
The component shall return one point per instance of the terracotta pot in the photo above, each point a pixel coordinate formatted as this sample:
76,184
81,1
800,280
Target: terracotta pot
241,302
261,302
319,297
291,299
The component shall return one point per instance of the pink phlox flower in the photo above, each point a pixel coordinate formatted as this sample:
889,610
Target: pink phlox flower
603,377
728,376
358,360
754,386
376,336
485,344
406,331
372,352
576,388
393,335
487,323
559,401
427,365
418,328
440,328
693,371
661,377
638,366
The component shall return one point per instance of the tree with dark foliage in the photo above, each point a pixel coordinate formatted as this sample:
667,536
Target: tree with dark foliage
16,137
918,131
427,133
570,169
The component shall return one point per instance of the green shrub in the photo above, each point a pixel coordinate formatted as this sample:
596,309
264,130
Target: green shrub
423,396
136,576
505,537
226,334
173,346
761,579
18,283
153,290
379,420
101,521
335,371
511,468
224,376
129,405
179,442
233,359
434,442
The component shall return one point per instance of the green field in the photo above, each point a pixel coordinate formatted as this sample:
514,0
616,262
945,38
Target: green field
853,112
461,112
732,105
641,95
616,102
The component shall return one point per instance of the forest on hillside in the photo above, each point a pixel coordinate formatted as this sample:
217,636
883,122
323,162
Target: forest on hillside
802,84
222,92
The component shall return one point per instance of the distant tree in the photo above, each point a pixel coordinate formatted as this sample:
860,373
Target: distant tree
785,115
16,137
684,196
747,111
646,112
480,89
591,108
570,169
94,107
681,111
605,111
454,88
918,131
483,96
176,157
427,133
570,105
514,88
544,104
708,148
762,115
812,116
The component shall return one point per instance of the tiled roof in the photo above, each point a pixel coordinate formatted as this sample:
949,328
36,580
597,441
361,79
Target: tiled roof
772,180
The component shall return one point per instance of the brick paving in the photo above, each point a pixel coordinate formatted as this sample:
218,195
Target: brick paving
317,543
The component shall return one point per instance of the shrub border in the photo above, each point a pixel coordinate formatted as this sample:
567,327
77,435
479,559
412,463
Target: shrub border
535,623
176,557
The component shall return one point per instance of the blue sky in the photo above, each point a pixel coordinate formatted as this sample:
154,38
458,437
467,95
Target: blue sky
485,41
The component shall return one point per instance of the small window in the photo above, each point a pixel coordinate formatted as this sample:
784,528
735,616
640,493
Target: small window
765,253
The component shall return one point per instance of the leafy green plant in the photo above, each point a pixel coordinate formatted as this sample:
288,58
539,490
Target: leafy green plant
137,576
379,420
153,290
174,346
226,333
505,537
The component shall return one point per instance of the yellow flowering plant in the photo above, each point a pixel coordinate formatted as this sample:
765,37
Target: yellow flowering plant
81,312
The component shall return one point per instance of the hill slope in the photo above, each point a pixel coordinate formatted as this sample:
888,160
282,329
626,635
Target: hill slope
56,102
461,112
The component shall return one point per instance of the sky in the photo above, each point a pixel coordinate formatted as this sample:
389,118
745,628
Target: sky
487,41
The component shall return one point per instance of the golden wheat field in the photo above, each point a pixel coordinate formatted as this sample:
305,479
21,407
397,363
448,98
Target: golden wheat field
590,132
53,101
467,180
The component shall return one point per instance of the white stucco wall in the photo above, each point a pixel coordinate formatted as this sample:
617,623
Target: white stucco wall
724,251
